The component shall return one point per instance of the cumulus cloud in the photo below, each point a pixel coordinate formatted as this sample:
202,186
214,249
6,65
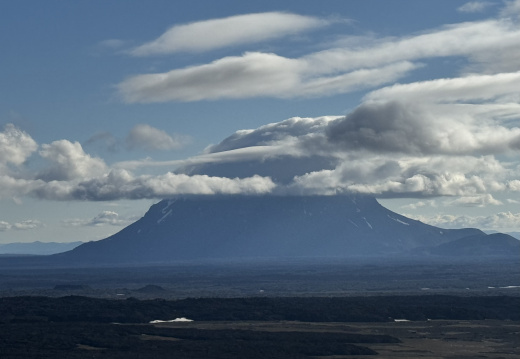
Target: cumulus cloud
102,219
120,184
72,174
476,201
150,138
490,46
388,176
21,226
507,221
27,225
69,161
4,226
229,31
15,146
417,129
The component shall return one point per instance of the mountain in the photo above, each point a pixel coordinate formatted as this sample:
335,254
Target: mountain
215,227
496,244
36,248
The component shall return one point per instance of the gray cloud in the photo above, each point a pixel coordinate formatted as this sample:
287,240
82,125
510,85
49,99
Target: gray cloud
392,126
105,140
150,138
475,6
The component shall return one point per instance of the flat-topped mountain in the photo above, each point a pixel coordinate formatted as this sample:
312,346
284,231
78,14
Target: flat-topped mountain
217,227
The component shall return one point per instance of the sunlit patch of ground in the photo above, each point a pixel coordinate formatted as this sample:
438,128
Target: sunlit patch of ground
491,339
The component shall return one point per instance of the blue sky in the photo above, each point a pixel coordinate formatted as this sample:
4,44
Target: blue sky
107,107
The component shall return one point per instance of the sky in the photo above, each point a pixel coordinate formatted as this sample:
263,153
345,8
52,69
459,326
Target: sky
107,107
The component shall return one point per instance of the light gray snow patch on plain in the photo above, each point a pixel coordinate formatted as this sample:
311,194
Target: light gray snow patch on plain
183,319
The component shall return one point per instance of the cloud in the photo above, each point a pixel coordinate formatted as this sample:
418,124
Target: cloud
514,185
476,201
254,74
150,138
420,204
421,129
418,177
104,140
475,6
72,174
69,161
102,219
4,226
511,9
15,146
506,221
489,46
120,184
501,86
231,31
27,225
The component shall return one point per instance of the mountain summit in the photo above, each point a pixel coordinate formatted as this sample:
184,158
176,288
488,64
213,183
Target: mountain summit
216,227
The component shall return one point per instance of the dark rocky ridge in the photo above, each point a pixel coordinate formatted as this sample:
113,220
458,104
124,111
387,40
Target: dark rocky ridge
217,227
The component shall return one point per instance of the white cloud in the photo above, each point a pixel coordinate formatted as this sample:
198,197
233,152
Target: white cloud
104,218
420,204
15,145
514,185
146,137
452,90
21,226
69,161
254,74
476,201
475,6
506,221
27,225
406,177
4,226
230,31
490,46
120,184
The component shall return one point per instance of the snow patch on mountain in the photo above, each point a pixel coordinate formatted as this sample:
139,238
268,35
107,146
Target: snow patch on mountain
398,220
164,217
368,223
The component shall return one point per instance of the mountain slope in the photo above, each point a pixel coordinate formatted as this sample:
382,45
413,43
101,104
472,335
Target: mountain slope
198,227
496,244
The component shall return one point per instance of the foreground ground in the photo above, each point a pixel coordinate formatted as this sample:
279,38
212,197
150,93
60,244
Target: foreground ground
295,309
430,326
